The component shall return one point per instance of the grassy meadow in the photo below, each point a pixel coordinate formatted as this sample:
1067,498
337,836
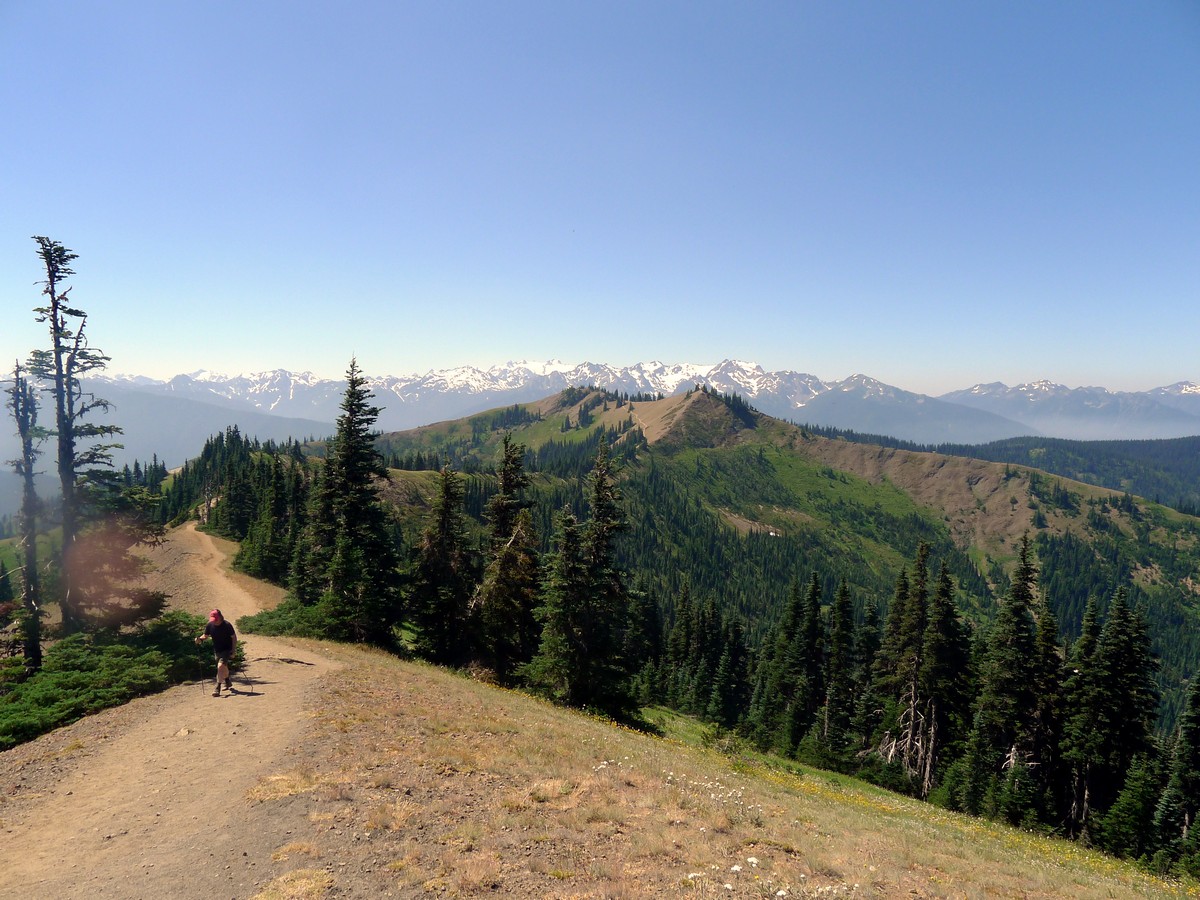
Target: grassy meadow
434,783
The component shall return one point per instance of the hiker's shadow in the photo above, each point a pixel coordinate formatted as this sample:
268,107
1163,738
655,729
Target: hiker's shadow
250,685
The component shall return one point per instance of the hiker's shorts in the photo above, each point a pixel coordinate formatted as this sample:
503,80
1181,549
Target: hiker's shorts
226,658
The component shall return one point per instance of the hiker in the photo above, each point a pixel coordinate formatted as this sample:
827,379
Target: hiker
224,640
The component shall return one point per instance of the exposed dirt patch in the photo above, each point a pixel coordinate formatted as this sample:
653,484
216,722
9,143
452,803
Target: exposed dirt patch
983,507
151,799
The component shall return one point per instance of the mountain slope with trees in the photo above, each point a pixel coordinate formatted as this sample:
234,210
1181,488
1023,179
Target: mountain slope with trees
612,552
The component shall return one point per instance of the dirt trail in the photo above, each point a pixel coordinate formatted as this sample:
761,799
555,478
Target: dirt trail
150,800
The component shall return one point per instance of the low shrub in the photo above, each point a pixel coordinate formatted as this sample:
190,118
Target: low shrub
291,617
86,673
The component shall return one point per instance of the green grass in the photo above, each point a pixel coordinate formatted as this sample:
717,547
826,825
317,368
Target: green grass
10,551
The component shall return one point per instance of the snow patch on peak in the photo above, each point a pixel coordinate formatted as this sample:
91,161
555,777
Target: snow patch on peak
139,380
860,380
206,375
992,387
1043,386
741,364
546,367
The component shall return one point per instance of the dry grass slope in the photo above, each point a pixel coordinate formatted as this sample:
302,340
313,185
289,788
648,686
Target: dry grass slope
420,782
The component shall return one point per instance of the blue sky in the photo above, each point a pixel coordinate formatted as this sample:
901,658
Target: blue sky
932,193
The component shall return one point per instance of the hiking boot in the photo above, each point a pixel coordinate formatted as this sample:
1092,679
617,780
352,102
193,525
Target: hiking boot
229,684
217,692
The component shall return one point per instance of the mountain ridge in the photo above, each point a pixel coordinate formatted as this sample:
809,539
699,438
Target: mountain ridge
978,414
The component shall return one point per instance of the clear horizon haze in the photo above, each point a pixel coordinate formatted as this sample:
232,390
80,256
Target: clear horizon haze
935,194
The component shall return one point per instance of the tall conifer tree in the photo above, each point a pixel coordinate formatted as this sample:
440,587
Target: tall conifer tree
780,680
585,613
352,564
69,358
1047,724
867,706
1001,740
503,606
23,405
887,681
444,580
808,655
507,502
1128,694
1176,831
558,667
1083,727
943,684
608,610
839,691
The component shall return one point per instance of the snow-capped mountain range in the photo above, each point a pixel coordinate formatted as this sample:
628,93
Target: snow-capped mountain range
172,419
978,414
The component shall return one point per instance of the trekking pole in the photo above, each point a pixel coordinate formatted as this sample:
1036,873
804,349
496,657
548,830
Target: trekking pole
243,677
203,680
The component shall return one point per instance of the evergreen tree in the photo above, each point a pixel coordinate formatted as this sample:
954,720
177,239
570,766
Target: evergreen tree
887,679
314,549
347,561
506,503
266,551
69,358
778,679
1123,829
808,656
558,667
943,683
1083,726
23,405
907,736
444,578
502,607
504,603
679,647
705,653
1047,723
1175,831
1001,742
730,683
1129,695
644,644
839,691
867,706
607,613
585,606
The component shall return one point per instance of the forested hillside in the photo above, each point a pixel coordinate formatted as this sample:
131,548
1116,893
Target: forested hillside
742,504
980,634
